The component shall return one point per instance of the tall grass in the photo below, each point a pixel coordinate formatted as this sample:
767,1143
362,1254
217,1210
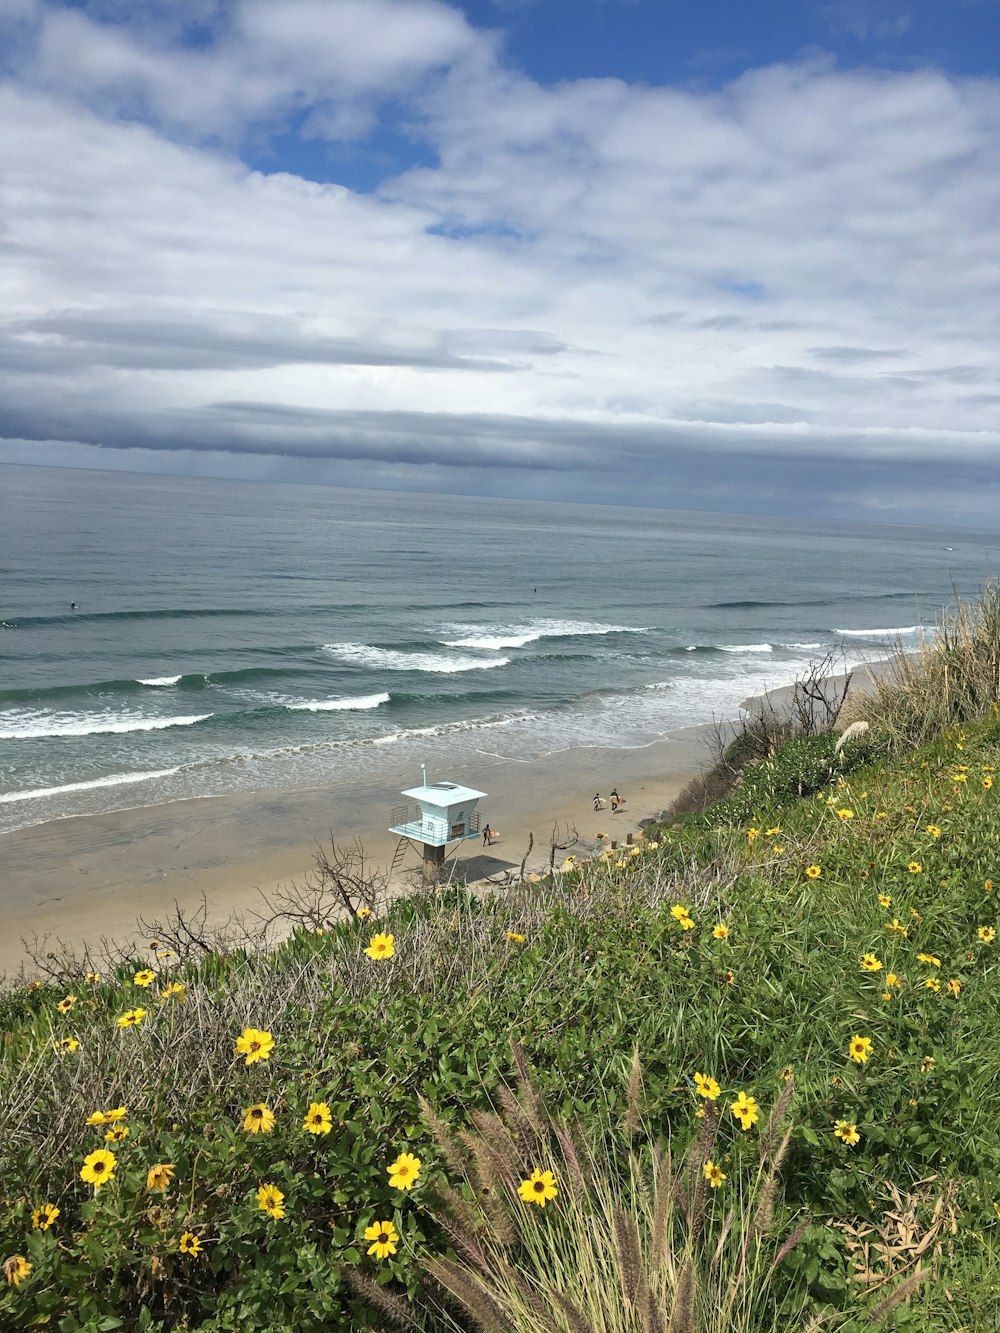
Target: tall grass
954,679
636,1241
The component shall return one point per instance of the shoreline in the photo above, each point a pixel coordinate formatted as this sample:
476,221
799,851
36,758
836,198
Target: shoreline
88,877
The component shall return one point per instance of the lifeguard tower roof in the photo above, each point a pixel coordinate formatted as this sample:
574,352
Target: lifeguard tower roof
443,794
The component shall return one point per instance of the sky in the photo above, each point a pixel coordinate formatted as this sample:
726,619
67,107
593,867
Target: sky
699,254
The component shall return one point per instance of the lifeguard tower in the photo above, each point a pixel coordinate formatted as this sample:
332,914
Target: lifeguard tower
436,814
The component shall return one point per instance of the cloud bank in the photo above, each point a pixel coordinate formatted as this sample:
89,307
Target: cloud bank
780,293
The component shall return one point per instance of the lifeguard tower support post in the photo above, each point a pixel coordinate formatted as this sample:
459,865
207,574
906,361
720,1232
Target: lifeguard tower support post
438,813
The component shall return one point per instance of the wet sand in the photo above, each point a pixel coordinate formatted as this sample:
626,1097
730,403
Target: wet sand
85,878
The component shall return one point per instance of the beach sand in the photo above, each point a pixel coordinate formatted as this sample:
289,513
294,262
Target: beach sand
78,880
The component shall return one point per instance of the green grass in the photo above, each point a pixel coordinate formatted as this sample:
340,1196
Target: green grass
605,968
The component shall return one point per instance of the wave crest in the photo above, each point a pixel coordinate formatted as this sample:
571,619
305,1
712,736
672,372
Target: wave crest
390,659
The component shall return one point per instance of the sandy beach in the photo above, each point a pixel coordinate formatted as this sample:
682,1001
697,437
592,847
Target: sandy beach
82,879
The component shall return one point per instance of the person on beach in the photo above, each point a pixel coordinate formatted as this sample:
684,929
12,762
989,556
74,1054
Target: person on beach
598,803
487,835
615,800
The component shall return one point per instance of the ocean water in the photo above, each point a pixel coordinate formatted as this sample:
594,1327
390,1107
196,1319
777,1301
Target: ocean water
237,636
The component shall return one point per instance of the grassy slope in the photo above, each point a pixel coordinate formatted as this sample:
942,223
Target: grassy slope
605,966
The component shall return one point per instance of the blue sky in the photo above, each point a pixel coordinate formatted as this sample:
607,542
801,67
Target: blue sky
714,255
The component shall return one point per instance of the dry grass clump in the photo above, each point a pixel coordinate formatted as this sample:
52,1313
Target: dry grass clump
953,680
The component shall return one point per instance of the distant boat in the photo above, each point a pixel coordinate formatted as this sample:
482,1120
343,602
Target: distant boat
949,548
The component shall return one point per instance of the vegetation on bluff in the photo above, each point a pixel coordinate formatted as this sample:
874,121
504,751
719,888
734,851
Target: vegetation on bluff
742,1076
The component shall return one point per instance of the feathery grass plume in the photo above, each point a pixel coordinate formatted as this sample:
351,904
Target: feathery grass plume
520,1126
652,1319
789,1244
470,1295
764,1213
442,1135
528,1095
462,1225
663,1191
698,1155
724,1231
633,1109
574,1318
901,1293
682,1311
776,1119
628,1255
397,1309
575,1178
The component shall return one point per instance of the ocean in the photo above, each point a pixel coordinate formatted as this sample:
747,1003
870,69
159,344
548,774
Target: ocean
241,636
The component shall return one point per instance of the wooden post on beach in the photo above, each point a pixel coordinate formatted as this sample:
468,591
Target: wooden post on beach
433,861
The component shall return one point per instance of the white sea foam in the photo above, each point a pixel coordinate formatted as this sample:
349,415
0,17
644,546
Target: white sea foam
388,659
34,726
493,638
803,647
113,780
336,705
879,633
746,647
160,680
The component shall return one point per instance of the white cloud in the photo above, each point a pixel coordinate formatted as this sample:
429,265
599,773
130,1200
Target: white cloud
798,266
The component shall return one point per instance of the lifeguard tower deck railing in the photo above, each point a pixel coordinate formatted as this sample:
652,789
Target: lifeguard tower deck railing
409,821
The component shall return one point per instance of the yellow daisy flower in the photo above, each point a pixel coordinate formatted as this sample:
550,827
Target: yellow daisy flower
404,1171
384,1238
539,1188
381,946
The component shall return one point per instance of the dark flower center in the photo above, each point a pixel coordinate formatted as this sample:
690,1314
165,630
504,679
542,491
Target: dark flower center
539,1186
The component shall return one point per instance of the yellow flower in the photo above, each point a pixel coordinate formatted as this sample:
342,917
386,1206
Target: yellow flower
897,928
884,900
721,931
132,1019
258,1119
729,977
891,979
882,814
846,1132
189,1244
107,1117
928,958
914,867
778,851
927,1064
158,1177
713,1174
933,830
916,915
381,946
859,1049
745,1109
786,1073
92,978
954,987
681,915
987,934
166,953
384,1238
869,963
363,913
845,814
539,1188
958,777
117,1134
752,833
98,1167
987,783
771,832
404,1171
255,1045
43,1216
144,977
270,1200
175,991
706,1086
16,1269
318,1118
814,872
67,1044
66,1004
515,938
933,984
